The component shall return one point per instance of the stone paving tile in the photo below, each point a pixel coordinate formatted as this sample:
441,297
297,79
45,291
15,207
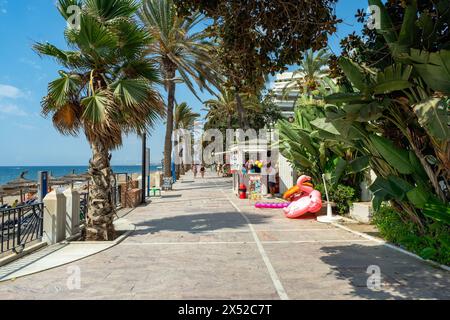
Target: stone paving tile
343,268
193,244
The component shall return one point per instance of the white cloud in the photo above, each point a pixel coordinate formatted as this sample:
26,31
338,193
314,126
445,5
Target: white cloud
31,63
10,92
25,126
11,109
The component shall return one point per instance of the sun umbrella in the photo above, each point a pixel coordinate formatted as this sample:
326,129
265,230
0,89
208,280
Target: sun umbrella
20,184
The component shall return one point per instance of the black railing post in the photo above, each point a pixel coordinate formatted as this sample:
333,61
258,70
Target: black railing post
41,210
19,226
144,169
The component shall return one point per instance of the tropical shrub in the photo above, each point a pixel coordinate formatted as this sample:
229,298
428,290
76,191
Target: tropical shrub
431,243
398,115
310,153
343,196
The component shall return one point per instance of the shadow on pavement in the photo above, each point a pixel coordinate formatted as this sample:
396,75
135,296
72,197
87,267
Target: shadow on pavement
402,277
197,223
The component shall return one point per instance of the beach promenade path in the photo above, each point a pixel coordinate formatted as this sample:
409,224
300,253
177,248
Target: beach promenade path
201,242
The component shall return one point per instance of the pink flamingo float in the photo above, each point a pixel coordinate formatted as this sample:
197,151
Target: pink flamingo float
304,200
309,202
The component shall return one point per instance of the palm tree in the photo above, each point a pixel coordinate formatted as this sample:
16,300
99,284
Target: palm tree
177,49
184,117
225,105
310,74
105,89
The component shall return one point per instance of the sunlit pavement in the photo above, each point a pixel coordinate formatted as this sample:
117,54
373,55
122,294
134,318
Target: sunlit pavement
201,242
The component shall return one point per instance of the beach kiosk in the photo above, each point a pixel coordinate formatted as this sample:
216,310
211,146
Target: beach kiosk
254,180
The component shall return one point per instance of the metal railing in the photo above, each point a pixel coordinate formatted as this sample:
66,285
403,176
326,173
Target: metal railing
21,226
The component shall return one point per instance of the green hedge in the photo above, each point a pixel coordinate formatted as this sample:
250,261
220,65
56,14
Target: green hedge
342,195
433,243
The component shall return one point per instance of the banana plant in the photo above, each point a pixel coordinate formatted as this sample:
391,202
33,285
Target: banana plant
311,154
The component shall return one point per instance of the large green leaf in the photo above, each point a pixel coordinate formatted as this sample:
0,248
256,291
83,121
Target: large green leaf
370,112
418,168
408,33
437,210
355,74
394,156
131,91
381,190
95,107
322,124
340,166
433,67
359,164
434,116
418,197
345,97
399,187
382,187
393,78
60,89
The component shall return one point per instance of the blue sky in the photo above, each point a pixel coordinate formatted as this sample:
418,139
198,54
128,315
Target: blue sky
26,138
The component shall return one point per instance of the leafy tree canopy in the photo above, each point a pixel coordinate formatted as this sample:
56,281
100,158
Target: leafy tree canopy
261,37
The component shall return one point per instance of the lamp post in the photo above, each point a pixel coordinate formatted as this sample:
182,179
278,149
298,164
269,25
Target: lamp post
144,169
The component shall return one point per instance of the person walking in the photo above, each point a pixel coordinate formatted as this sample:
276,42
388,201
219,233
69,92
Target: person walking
202,171
194,169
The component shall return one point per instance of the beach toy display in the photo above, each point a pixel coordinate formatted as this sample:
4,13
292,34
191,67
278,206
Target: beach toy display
310,201
302,199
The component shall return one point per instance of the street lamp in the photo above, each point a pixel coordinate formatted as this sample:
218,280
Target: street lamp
144,169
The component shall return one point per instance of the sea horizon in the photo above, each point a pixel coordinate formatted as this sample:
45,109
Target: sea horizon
9,173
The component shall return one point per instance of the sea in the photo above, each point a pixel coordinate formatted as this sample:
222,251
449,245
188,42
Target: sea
11,173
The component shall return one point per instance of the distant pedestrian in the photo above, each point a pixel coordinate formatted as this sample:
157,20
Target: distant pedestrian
202,171
194,169
271,177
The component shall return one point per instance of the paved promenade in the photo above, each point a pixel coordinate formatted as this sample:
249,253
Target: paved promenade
201,242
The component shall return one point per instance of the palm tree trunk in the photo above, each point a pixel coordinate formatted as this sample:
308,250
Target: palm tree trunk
170,74
241,113
101,209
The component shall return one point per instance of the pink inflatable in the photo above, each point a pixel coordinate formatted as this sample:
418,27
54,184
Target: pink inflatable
268,205
309,202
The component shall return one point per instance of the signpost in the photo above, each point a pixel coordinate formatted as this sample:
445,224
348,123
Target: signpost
42,185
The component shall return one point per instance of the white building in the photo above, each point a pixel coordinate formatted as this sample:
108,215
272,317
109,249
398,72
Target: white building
285,96
285,93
